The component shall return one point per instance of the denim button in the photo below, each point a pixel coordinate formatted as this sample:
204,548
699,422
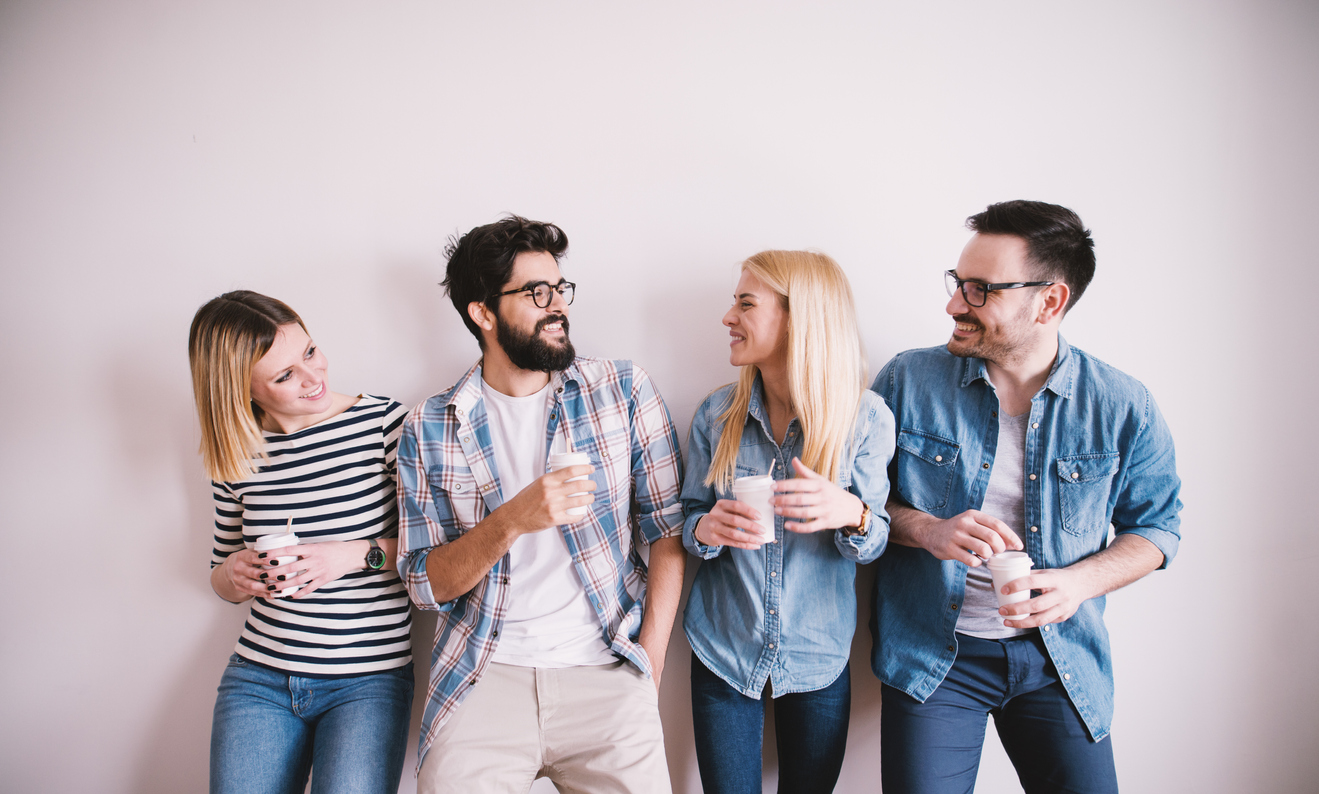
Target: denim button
1032,476
986,465
1046,628
938,458
1035,425
1034,529
1067,676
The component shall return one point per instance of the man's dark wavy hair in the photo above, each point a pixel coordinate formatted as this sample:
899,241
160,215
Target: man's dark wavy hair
1058,245
481,260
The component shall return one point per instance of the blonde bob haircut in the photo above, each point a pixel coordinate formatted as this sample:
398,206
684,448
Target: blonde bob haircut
826,363
229,335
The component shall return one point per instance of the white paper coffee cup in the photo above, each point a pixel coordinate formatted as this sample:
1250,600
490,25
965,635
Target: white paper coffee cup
562,460
755,492
270,543
1009,566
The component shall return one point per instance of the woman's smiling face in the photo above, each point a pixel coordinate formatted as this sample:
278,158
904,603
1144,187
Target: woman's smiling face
290,381
757,323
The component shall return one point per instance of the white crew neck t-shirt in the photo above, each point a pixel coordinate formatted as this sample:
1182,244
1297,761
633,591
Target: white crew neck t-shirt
1005,500
549,622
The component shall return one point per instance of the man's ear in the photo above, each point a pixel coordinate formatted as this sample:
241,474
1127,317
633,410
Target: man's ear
481,315
1055,302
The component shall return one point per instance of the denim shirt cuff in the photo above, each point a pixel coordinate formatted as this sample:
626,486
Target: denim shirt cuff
1164,540
693,546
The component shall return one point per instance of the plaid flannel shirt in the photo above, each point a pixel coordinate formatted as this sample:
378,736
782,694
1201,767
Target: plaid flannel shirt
448,481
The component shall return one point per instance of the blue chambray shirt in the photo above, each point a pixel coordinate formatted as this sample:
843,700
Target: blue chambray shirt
785,612
1097,452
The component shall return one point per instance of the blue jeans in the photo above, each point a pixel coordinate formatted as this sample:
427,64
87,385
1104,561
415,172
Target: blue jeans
810,734
934,747
270,730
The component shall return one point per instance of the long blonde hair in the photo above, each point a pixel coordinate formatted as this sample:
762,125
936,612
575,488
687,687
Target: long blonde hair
229,334
826,363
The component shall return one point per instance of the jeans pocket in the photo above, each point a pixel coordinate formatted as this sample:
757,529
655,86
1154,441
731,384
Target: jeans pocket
1084,485
926,464
236,661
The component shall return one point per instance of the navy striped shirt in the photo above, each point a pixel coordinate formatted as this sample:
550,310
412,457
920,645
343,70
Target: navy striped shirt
336,479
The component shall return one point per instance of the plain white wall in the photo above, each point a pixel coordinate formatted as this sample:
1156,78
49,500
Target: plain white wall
154,153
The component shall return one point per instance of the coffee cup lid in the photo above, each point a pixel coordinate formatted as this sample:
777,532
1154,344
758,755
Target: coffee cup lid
266,542
757,482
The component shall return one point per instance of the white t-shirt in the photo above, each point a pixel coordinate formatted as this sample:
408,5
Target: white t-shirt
1005,500
550,622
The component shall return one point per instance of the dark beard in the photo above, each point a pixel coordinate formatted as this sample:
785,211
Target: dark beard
532,353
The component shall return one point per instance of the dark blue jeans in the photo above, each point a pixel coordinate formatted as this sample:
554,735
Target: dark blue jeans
810,734
271,729
934,747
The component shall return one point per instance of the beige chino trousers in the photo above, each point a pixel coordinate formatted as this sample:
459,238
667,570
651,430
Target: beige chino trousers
593,730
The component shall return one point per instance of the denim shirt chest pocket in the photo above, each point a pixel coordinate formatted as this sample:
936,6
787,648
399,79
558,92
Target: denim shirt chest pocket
925,467
1085,483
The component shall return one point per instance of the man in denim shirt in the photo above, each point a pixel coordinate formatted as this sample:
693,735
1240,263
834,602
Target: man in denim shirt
1010,439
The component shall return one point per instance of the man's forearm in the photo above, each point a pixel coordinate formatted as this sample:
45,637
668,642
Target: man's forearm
906,523
668,564
1128,558
455,567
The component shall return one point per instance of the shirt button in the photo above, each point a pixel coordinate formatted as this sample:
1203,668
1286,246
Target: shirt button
771,645
771,612
559,390
1046,628
952,648
1032,476
604,453
1035,425
1034,529
938,458
460,412
952,606
986,465
1067,676
994,414
551,416
466,439
1076,475
773,573
457,486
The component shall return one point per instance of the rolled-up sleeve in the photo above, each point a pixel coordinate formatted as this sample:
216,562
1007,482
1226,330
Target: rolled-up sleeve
1148,502
697,497
656,465
870,483
422,518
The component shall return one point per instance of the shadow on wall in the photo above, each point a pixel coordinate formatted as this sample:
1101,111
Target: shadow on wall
157,440
428,333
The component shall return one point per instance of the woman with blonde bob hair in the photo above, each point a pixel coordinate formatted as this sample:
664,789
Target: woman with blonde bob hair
321,678
785,491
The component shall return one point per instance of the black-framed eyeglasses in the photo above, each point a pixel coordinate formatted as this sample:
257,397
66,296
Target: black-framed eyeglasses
975,293
542,292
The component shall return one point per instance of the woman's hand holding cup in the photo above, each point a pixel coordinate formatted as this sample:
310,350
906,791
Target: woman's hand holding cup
814,503
730,523
242,570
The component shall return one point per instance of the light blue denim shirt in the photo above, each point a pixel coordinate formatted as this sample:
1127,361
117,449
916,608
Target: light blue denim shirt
1097,453
785,612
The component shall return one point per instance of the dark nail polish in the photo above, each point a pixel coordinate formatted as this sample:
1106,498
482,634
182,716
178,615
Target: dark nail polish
265,575
261,556
270,587
273,563
280,577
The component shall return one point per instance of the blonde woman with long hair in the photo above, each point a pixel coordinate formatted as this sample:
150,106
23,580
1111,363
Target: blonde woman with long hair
320,682
773,614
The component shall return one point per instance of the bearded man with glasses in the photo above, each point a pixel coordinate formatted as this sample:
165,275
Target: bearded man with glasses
1009,439
552,630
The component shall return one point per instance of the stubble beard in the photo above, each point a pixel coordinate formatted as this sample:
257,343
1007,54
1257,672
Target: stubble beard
530,351
1008,342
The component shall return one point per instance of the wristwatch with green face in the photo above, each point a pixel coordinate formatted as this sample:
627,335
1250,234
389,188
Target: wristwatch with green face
375,558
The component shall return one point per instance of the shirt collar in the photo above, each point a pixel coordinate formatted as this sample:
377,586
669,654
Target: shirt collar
467,394
1062,377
